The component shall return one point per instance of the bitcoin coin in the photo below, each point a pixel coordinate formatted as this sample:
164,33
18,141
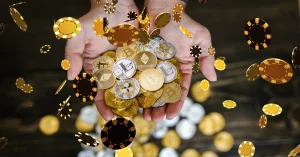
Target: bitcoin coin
206,126
127,89
124,68
111,54
171,140
104,78
65,64
172,93
150,150
102,62
128,112
151,79
145,60
223,141
199,94
159,103
218,121
128,51
162,19
114,101
263,121
150,47
190,153
49,125
165,51
169,71
147,99
144,36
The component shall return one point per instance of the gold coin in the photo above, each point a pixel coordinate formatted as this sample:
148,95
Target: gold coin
137,149
128,51
111,54
295,151
20,83
27,88
144,36
102,62
112,100
49,125
145,60
252,72
18,18
204,84
65,64
186,32
125,152
142,126
172,93
272,109
147,99
82,126
179,76
151,79
229,104
223,141
171,140
162,19
190,153
220,64
209,154
155,33
218,121
145,26
104,78
199,94
150,150
128,112
206,126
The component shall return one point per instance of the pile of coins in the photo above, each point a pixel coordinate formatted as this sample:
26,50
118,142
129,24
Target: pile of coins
139,75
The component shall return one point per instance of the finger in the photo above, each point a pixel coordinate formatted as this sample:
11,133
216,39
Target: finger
103,109
74,50
147,113
207,67
174,108
158,113
88,65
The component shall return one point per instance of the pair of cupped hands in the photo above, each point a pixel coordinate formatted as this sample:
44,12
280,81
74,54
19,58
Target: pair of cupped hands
84,48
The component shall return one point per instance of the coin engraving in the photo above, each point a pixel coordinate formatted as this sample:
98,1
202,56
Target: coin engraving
127,89
165,51
124,68
169,71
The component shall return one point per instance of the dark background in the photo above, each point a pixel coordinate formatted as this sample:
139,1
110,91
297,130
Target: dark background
226,19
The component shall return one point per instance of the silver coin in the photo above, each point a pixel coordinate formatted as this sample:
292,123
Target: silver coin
159,103
185,129
159,39
89,114
150,47
169,71
1,28
167,152
165,51
124,68
127,89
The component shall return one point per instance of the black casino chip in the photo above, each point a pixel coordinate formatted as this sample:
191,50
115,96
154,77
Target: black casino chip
3,142
85,87
258,34
118,133
195,51
296,57
132,15
64,110
86,139
196,67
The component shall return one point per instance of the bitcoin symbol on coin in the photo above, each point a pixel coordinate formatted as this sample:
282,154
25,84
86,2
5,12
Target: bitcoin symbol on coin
163,49
128,52
170,92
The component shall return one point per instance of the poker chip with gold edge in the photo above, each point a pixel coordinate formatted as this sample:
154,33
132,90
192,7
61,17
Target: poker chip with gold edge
211,51
204,85
272,109
263,121
132,15
275,71
196,66
252,72
99,27
229,104
176,17
186,32
258,34
220,63
295,151
64,110
20,83
85,87
86,139
67,27
18,18
296,57
118,133
246,149
195,51
178,8
109,8
45,49
65,64
27,88
123,35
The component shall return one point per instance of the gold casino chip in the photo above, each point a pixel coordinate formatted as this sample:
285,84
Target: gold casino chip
220,63
99,28
229,104
272,109
162,19
186,32
295,151
252,72
18,18
20,82
67,27
65,64
263,121
246,149
204,84
45,49
123,35
27,88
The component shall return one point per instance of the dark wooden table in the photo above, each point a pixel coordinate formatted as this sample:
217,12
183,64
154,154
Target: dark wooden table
226,19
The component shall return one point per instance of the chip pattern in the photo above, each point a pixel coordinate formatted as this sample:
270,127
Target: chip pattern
118,133
263,121
211,51
109,8
195,51
272,109
67,28
246,149
186,32
132,15
85,87
27,88
258,34
296,57
196,66
64,110
204,85
45,49
252,72
275,71
123,35
86,139
18,18
65,64
176,17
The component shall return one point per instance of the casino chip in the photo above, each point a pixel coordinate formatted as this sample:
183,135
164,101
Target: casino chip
123,35
252,72
20,83
65,64
186,32
196,66
272,109
204,85
18,18
27,88
211,51
275,71
64,110
258,34
195,51
263,121
144,36
131,16
3,142
295,57
85,87
67,28
109,8
176,17
155,33
229,104
125,152
118,133
178,8
45,49
293,153
220,63
86,139
246,149
99,27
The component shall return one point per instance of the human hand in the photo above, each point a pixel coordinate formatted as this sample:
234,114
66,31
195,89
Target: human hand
172,34
86,46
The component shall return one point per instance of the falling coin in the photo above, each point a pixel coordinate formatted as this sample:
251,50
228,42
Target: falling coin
229,104
20,83
162,19
65,64
27,88
263,121
252,72
204,84
18,18
246,148
186,32
272,109
220,64
60,87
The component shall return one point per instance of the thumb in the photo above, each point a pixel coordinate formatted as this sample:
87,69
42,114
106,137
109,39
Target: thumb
74,50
